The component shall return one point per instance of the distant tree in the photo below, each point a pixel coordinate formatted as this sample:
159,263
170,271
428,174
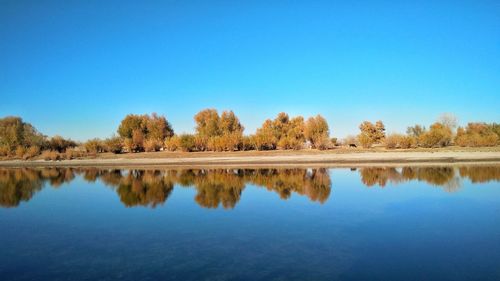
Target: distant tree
476,134
138,130
317,132
438,135
415,131
158,128
229,123
371,133
15,132
132,123
266,138
207,123
60,144
449,120
399,141
282,132
495,128
218,133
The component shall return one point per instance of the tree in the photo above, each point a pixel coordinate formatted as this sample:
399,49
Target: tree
476,134
60,144
15,132
132,123
137,140
207,123
415,131
229,123
449,120
218,133
438,135
138,130
317,132
371,133
265,137
158,128
282,132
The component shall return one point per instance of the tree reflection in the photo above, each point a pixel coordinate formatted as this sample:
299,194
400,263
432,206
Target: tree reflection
18,185
445,177
224,187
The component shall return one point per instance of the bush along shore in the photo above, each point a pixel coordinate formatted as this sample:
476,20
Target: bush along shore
224,132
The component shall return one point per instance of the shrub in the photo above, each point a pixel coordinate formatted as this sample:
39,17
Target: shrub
94,146
51,155
408,142
31,152
476,134
365,140
350,140
70,154
172,143
187,142
393,141
437,136
248,143
137,141
4,150
60,144
20,151
114,145
151,145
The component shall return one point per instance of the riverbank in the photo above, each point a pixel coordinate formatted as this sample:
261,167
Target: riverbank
255,158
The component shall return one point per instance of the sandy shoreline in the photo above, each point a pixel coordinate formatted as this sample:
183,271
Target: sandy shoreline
327,159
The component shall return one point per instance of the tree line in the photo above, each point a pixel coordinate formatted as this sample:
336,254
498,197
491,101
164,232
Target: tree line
224,132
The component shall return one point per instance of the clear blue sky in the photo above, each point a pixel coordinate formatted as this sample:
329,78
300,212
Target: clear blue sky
76,68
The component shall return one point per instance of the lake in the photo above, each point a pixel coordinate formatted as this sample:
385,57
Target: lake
360,223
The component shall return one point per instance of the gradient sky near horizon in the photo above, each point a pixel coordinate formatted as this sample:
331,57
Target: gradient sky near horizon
76,68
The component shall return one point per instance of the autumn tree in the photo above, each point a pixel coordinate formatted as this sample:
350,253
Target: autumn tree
14,133
282,132
218,133
448,120
138,130
476,134
317,132
438,135
371,133
113,144
60,144
207,123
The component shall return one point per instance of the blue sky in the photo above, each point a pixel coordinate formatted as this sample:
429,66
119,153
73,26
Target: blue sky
76,68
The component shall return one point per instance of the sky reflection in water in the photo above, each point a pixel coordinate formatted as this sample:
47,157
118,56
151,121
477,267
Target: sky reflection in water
370,223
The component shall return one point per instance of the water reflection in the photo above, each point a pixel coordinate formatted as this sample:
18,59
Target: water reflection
224,187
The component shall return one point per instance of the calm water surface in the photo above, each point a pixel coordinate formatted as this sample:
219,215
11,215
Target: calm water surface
372,223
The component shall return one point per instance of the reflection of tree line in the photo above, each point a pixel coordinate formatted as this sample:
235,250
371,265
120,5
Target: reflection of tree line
214,187
446,177
223,187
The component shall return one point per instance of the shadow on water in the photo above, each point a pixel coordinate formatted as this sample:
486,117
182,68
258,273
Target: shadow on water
223,187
